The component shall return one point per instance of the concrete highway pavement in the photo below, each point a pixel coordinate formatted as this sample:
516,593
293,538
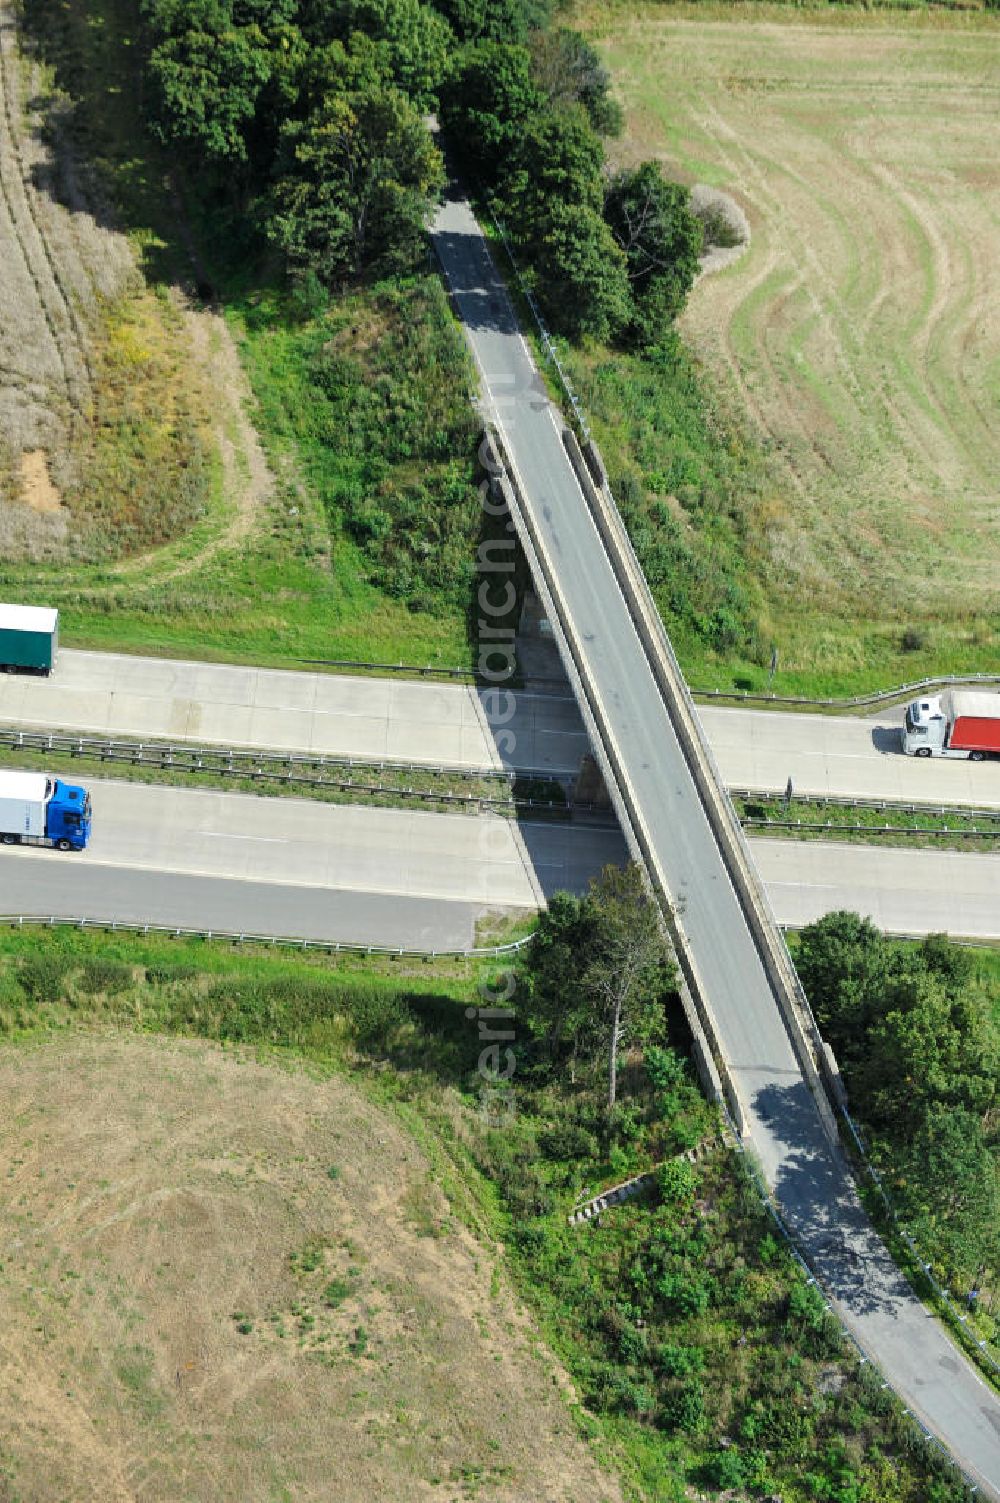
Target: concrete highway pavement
238,849
903,891
300,869
112,694
800,1162
163,699
843,756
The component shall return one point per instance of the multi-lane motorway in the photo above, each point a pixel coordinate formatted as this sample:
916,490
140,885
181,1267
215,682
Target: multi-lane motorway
111,694
422,880
322,870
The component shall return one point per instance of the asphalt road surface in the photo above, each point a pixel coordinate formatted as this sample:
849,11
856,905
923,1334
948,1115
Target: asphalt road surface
805,1169
112,694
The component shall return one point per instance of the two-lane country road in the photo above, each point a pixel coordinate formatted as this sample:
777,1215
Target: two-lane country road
805,1169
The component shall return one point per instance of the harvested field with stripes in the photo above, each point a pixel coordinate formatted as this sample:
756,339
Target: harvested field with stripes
859,334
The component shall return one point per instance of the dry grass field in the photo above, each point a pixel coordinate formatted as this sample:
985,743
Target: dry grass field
102,406
224,1279
861,330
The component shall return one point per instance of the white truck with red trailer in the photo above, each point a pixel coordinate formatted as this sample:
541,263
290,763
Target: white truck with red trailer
959,723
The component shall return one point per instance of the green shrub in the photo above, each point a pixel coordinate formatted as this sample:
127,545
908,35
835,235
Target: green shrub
674,1361
676,1182
724,1469
684,1293
683,1407
101,975
568,1140
43,977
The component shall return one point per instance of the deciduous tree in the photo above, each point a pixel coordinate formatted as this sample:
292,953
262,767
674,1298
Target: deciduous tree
359,178
598,971
569,71
661,239
486,104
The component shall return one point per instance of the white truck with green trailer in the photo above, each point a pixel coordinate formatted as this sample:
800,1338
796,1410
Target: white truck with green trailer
29,638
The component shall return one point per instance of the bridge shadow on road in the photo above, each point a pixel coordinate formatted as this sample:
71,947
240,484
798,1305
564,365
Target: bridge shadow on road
566,855
819,1203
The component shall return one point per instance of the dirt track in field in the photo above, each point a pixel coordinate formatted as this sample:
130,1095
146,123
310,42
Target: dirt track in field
63,266
59,266
861,332
172,1216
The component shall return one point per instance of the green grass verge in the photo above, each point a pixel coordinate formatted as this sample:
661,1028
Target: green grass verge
805,819
699,1353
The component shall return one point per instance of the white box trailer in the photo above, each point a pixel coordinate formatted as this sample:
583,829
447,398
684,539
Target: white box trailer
23,797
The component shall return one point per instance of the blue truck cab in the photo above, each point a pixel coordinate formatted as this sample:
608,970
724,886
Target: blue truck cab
67,816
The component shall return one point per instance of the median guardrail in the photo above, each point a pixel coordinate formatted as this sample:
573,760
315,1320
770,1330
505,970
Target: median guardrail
301,769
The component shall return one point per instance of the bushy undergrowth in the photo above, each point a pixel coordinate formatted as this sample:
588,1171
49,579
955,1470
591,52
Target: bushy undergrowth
682,1316
144,474
701,1354
912,1030
376,391
688,485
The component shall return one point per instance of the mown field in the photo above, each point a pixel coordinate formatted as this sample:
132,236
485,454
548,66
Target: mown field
855,346
314,1233
238,1280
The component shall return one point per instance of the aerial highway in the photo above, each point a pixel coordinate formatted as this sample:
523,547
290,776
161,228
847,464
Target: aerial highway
399,720
292,867
243,873
672,819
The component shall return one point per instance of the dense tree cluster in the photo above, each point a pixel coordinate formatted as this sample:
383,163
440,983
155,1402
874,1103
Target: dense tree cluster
311,115
609,259
921,1060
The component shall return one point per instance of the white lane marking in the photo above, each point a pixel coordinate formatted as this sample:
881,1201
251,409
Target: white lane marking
263,839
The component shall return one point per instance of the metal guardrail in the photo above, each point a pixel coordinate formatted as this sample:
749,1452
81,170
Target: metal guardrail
875,831
204,756
737,696
292,769
878,805
849,702
272,941
429,670
547,341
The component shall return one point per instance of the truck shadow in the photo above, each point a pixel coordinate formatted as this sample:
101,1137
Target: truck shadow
887,740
